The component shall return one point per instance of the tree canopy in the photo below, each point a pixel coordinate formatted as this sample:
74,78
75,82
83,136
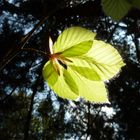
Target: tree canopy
29,109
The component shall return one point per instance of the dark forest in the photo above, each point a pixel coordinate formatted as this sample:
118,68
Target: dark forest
29,109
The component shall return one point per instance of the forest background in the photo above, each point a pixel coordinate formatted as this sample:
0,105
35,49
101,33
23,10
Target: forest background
29,110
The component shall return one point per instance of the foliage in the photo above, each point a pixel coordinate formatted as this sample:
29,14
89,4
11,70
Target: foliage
78,63
29,109
117,9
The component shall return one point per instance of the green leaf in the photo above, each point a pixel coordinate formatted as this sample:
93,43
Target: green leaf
90,90
88,73
136,3
117,9
71,37
80,66
49,74
78,49
71,85
70,82
62,87
105,59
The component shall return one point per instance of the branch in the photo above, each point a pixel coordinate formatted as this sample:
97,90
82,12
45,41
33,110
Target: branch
35,50
23,43
5,98
14,88
27,38
9,59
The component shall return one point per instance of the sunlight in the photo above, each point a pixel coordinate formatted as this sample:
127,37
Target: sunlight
109,111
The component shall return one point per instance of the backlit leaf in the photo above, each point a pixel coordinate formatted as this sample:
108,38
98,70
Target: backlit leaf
78,49
71,37
70,82
49,73
88,73
62,87
105,59
79,65
90,90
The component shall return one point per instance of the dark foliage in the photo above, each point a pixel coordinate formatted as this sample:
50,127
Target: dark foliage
29,109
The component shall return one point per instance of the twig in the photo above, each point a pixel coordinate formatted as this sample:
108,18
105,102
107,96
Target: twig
23,43
8,60
14,88
35,50
29,35
27,38
5,98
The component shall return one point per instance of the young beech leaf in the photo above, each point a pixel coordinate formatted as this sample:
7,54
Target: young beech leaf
49,73
86,72
78,65
105,59
70,81
71,37
78,49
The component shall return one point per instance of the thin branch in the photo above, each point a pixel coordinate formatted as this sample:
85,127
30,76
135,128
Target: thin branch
35,50
8,60
23,43
27,38
14,88
5,98
29,35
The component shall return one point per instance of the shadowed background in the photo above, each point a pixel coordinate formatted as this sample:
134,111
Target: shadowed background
29,110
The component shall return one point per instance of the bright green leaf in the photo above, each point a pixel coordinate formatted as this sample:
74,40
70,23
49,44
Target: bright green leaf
70,82
50,74
88,73
90,90
58,83
80,64
71,37
117,9
106,60
78,49
62,87
94,91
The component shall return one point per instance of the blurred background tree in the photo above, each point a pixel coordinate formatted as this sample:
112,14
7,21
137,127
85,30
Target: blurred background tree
29,110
